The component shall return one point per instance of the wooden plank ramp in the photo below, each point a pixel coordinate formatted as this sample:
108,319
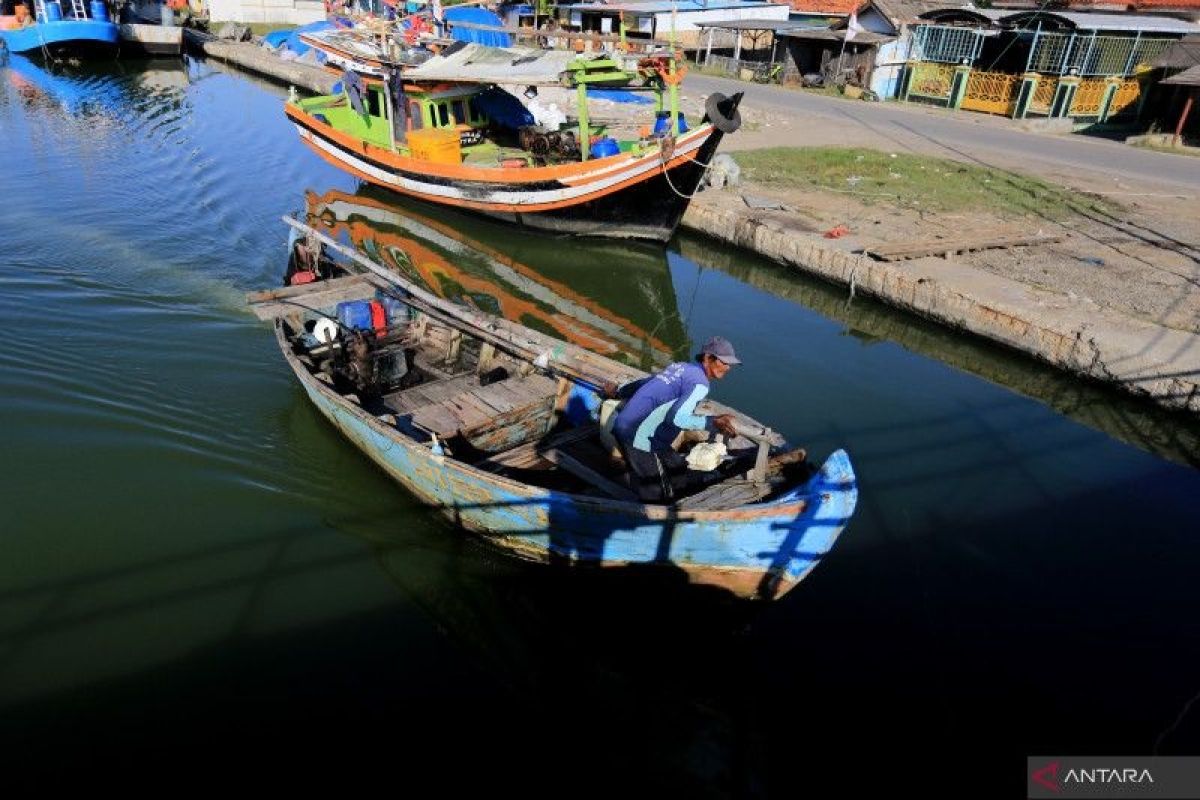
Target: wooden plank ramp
921,248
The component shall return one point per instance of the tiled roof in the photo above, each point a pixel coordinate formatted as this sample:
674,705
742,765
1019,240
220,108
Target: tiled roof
1181,4
900,12
841,8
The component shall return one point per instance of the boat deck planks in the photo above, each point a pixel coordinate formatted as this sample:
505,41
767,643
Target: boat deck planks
527,456
453,405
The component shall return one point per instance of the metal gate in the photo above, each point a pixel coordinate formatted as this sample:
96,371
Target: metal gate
991,92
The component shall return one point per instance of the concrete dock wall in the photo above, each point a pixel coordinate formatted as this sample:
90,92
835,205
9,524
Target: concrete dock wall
1138,356
261,61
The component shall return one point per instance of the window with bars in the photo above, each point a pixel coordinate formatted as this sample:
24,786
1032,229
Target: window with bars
1089,54
946,44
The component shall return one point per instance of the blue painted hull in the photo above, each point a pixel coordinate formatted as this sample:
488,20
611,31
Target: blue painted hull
82,38
757,551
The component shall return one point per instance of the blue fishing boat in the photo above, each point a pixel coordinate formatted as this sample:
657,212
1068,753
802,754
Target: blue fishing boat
502,429
59,30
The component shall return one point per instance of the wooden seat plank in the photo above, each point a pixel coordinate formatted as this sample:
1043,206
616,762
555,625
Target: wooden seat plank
730,493
525,455
566,461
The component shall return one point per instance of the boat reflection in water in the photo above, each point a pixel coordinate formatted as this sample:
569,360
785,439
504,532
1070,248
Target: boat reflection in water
101,90
620,303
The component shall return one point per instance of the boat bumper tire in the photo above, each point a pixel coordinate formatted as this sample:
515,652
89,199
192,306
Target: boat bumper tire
723,112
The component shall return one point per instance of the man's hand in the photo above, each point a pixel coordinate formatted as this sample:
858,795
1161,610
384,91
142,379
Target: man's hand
724,423
610,390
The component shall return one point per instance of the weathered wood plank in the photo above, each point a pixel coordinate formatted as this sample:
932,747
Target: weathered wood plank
492,399
727,494
319,295
919,248
438,419
473,406
526,455
469,416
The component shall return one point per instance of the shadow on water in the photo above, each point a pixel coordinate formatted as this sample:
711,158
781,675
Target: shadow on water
1014,635
1170,435
512,675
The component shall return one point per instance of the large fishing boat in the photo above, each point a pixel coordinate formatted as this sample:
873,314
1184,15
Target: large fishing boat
445,132
502,428
58,30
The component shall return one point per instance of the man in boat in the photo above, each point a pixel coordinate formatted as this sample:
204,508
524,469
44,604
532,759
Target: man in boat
659,408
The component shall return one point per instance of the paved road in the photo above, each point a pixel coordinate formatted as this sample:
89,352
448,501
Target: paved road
964,135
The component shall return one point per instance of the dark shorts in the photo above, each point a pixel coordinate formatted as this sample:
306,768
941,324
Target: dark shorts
659,475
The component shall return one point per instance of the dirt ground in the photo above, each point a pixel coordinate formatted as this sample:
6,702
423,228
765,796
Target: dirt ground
1142,260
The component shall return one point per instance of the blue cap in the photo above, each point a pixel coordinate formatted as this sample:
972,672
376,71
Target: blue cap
720,347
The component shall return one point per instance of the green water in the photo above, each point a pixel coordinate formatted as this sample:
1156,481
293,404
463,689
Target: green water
198,574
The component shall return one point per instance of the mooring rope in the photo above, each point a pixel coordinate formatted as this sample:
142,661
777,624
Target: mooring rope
699,183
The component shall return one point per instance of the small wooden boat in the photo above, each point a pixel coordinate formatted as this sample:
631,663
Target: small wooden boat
496,425
59,30
446,133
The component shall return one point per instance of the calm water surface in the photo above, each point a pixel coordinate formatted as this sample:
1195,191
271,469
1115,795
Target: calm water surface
196,573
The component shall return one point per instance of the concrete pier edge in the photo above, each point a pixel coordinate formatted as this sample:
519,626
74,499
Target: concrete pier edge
260,61
1144,359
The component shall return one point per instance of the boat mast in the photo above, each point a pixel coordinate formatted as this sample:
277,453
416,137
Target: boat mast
672,82
388,108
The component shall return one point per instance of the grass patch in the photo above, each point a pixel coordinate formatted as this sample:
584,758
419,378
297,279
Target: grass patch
917,182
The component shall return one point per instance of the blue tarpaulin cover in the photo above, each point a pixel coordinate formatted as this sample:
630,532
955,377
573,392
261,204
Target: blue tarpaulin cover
477,16
618,96
291,37
503,109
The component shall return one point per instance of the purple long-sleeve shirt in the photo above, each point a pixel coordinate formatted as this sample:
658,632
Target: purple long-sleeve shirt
661,406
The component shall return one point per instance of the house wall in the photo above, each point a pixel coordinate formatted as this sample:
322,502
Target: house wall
293,12
889,62
875,22
685,22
